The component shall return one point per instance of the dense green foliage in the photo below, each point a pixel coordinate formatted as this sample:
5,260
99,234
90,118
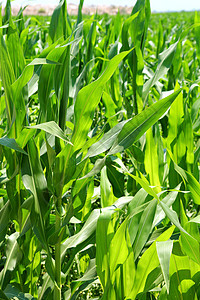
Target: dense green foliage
99,149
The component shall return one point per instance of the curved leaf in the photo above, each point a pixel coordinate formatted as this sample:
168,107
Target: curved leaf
52,128
138,125
87,101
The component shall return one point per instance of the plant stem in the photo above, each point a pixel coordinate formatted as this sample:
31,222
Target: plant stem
57,287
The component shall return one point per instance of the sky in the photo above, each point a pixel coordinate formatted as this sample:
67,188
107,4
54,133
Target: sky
156,5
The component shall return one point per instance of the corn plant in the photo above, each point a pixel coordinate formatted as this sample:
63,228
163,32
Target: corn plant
99,156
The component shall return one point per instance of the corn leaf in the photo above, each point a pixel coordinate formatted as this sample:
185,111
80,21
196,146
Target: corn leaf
164,251
137,126
87,100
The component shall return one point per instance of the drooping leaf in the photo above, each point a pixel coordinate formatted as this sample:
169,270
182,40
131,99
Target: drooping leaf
52,128
11,143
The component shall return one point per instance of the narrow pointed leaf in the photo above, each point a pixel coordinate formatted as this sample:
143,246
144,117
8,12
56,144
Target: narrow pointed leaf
34,180
137,126
147,263
164,251
52,128
88,99
144,228
11,143
164,63
190,246
13,254
172,215
192,183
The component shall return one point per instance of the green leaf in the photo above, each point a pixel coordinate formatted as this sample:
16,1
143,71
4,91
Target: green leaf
58,25
64,169
24,137
188,130
105,187
52,128
145,185
119,252
190,246
116,178
164,62
43,61
8,77
138,31
4,219
46,285
87,101
15,49
79,18
34,181
99,164
11,143
13,293
181,279
138,125
192,183
196,219
151,161
104,234
172,215
45,83
106,141
84,283
110,108
164,251
89,227
138,201
13,255
145,227
3,296
168,200
125,29
90,273
197,32
62,83
87,230
147,263
176,139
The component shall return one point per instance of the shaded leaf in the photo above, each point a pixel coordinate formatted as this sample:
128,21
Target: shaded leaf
164,251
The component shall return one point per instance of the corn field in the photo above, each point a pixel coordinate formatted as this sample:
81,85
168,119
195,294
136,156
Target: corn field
99,155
